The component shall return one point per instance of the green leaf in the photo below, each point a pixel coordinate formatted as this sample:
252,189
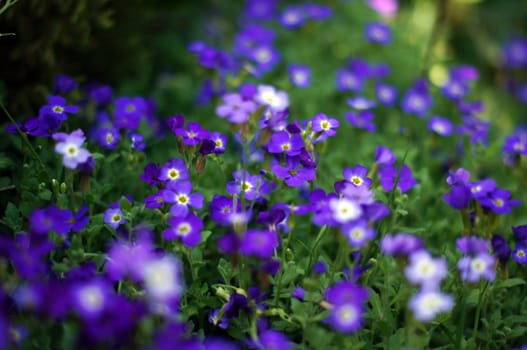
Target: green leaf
45,195
511,282
12,217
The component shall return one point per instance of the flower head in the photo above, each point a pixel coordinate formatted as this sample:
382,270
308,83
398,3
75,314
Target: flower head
70,147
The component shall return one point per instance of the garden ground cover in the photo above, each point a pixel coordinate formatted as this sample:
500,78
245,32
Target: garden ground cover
347,174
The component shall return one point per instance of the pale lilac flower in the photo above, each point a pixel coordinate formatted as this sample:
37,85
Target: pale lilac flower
474,268
426,304
70,147
276,100
344,210
425,270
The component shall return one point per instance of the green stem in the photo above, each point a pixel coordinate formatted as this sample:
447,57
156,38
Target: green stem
461,325
315,245
193,272
25,139
478,309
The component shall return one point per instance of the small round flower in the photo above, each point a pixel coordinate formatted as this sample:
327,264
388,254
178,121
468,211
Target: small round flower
520,254
386,94
425,270
162,279
114,217
187,228
400,244
440,126
323,127
358,233
108,138
346,318
259,243
473,269
174,170
378,33
276,100
292,17
299,75
89,299
70,147
344,210
426,304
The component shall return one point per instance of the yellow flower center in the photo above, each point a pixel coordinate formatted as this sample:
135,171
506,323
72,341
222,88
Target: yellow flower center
58,109
173,174
116,218
357,180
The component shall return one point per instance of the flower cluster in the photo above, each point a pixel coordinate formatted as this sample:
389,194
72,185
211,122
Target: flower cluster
484,193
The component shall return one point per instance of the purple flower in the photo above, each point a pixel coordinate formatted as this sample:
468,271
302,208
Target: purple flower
49,219
126,259
440,126
361,120
347,300
293,175
400,244
137,141
317,12
454,89
276,100
114,217
476,128
357,175
520,254
259,243
360,103
252,186
460,177
516,143
320,268
193,135
459,196
150,174
358,232
80,220
89,299
359,194
403,175
386,94
70,147
271,339
173,170
426,304
474,268
222,207
179,194
215,319
266,58
57,108
344,210
64,84
283,142
129,112
260,9
425,271
102,95
299,75
220,142
472,245
323,127
500,248
384,156
187,228
292,17
348,80
108,138
498,201
515,53
417,100
378,33
520,233
163,281
235,109
298,293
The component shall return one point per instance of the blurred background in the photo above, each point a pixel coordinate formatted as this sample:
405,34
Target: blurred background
139,47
